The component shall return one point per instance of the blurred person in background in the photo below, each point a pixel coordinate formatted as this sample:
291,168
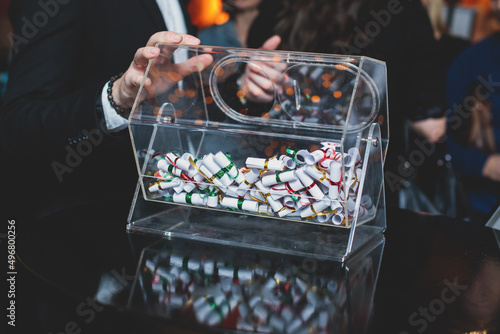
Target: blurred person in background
485,22
473,91
449,46
397,32
57,108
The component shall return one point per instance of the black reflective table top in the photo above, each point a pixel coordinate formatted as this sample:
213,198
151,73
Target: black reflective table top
82,274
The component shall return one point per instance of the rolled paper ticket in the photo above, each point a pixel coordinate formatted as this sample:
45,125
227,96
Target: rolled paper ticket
305,200
300,156
165,166
338,218
288,162
265,209
289,202
280,177
185,198
353,191
335,171
337,206
180,188
194,173
314,209
174,170
324,188
354,153
162,185
249,180
325,163
366,201
315,157
166,194
333,191
223,161
318,174
341,194
202,309
178,162
296,186
324,218
278,191
261,313
189,186
308,310
213,201
265,191
349,161
329,145
244,275
301,205
193,264
311,187
264,164
323,320
239,178
211,177
295,326
162,164
256,195
351,204
278,208
232,191
245,205
215,169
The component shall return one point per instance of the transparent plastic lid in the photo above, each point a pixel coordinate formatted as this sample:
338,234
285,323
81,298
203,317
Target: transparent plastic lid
288,92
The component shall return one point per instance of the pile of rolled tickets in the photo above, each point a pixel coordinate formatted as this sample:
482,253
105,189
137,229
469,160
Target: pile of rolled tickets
299,185
255,299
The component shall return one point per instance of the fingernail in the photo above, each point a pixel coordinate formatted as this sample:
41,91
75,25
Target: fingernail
176,37
153,51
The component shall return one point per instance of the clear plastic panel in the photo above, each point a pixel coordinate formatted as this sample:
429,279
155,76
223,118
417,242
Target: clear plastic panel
288,136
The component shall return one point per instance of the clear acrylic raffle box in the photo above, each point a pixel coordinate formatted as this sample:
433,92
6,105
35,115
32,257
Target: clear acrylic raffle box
261,148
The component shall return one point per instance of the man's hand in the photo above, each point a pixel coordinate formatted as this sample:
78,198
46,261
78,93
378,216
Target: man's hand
126,88
259,78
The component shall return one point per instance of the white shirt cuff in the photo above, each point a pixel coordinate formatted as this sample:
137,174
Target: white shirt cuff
114,122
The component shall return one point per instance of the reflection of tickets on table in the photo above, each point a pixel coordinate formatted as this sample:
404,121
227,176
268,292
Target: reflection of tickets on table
251,298
234,288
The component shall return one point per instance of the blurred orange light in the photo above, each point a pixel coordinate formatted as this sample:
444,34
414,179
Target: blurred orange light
205,13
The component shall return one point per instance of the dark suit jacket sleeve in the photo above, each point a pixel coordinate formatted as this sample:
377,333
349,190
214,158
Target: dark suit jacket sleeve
46,106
